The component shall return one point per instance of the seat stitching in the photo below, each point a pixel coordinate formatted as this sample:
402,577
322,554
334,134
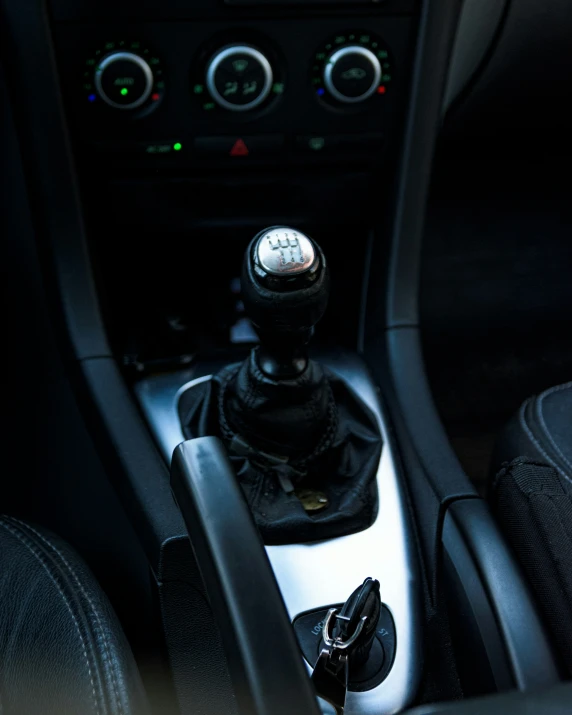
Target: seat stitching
558,388
45,566
537,444
94,610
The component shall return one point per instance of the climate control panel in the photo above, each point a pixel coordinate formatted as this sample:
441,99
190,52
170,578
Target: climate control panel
260,91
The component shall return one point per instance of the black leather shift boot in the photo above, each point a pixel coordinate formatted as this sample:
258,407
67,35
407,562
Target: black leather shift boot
310,432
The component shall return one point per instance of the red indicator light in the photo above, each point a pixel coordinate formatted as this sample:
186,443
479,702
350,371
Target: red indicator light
381,90
156,97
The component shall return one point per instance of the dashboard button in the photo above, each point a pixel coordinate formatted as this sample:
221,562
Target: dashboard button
239,147
315,143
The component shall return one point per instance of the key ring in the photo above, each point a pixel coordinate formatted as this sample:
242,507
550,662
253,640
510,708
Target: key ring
336,643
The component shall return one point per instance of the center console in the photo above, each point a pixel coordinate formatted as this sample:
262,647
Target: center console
193,126
200,173
309,445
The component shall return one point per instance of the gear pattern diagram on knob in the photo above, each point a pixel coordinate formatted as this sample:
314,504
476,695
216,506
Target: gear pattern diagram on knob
285,252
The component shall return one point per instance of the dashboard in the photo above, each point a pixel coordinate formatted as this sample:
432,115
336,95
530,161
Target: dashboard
196,123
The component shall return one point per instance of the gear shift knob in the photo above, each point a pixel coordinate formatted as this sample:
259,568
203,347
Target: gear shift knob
285,288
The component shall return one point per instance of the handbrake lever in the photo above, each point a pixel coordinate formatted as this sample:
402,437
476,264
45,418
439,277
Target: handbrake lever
264,661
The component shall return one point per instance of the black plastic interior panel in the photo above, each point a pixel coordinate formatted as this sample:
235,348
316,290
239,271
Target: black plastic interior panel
186,9
529,652
525,111
482,659
50,173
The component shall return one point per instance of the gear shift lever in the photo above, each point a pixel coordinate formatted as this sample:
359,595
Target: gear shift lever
285,288
305,448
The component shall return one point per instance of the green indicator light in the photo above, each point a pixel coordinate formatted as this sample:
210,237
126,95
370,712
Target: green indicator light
198,89
365,38
352,37
316,80
340,39
154,61
329,46
160,85
382,54
278,88
109,45
135,45
374,45
321,56
90,63
177,146
124,92
209,106
386,78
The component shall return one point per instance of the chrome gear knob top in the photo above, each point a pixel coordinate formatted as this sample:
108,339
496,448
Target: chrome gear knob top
285,288
282,251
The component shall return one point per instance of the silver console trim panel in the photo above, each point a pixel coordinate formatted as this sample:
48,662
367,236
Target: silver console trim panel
323,573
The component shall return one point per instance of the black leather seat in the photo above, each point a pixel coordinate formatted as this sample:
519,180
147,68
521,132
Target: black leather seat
62,650
531,495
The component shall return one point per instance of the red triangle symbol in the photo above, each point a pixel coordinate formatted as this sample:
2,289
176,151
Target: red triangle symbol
239,148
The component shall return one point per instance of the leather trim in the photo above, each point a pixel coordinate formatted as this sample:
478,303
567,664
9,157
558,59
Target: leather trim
100,636
554,390
54,577
533,422
111,685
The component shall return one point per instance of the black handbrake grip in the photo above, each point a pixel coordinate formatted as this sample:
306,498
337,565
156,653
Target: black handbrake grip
264,661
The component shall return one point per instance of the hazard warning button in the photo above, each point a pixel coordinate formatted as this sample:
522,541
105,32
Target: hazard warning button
239,148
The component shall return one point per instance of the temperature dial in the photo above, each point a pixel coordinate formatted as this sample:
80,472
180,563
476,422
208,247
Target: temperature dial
239,78
352,74
126,76
124,80
351,68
